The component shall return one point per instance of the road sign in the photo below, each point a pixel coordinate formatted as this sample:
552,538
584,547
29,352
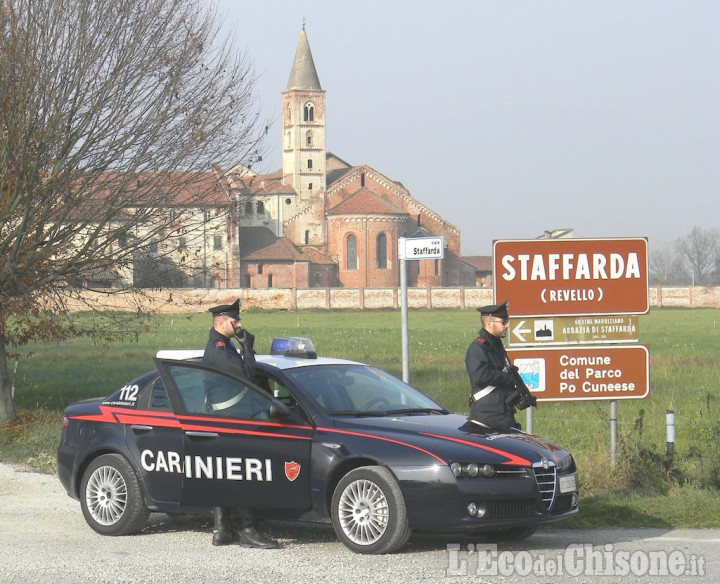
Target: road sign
584,373
572,277
421,248
573,329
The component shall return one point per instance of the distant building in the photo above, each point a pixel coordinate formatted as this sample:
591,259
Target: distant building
320,221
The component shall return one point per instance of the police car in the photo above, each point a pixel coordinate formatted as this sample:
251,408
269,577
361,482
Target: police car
313,439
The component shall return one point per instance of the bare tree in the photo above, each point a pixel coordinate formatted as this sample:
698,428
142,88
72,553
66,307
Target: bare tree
109,109
699,250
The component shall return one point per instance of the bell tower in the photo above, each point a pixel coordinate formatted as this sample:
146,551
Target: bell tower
304,126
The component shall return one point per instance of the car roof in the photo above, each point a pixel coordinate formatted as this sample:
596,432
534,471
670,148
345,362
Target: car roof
276,361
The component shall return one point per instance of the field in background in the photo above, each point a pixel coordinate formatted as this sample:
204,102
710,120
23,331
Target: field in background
685,378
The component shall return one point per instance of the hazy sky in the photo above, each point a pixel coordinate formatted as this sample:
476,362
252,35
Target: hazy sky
512,118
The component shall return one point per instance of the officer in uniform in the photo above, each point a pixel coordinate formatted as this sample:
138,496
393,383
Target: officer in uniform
488,368
221,353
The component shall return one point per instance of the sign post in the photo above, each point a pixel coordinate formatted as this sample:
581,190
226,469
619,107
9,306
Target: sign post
572,301
413,248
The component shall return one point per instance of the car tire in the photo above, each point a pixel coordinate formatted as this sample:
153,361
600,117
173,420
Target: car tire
368,511
111,498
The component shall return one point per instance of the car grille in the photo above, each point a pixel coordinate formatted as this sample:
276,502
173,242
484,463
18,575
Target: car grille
545,476
510,509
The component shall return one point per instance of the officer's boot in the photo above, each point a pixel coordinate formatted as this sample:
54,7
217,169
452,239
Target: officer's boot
223,532
249,535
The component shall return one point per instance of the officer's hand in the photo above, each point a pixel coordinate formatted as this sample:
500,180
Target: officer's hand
248,339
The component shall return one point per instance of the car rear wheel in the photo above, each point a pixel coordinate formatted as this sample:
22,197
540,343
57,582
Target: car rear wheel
368,511
110,497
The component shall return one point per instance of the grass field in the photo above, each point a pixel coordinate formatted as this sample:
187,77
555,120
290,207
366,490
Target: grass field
642,488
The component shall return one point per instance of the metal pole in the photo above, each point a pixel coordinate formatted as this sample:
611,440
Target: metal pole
670,427
404,313
529,420
613,432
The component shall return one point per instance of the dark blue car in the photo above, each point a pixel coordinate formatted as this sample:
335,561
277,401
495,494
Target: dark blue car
313,439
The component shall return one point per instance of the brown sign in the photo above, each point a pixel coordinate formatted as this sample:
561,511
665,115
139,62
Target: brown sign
573,329
584,373
572,276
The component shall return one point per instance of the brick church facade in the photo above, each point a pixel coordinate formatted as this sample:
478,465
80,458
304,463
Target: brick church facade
322,222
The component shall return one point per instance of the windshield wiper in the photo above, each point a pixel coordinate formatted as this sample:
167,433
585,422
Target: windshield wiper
359,413
416,411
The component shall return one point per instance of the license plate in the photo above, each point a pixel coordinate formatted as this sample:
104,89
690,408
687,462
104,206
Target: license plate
568,484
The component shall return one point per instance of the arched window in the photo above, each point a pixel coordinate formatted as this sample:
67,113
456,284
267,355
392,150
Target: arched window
248,208
270,280
307,236
351,252
362,179
260,208
309,138
309,112
382,251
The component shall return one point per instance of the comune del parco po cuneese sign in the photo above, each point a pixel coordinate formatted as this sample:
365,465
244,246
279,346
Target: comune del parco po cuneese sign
572,276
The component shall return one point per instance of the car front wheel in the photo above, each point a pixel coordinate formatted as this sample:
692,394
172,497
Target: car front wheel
368,511
110,497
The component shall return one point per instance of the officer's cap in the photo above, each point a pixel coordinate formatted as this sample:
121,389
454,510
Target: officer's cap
231,310
499,310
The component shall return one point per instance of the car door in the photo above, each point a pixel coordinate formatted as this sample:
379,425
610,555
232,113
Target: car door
235,454
156,442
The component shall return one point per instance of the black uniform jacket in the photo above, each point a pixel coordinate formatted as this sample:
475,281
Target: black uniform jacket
485,360
220,353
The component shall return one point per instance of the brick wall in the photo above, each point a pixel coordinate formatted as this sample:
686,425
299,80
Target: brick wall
199,300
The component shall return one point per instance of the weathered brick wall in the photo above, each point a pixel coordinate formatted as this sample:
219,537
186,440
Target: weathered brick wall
199,300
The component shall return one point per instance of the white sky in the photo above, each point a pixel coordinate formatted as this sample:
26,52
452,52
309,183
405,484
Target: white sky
510,118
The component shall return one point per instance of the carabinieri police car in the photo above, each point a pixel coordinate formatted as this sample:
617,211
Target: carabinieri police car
313,439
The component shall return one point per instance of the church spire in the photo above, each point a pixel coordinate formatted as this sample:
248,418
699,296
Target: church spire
303,74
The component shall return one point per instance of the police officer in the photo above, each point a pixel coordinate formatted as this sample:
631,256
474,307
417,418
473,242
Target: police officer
221,353
488,367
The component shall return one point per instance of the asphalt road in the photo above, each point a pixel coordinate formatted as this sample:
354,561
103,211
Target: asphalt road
44,539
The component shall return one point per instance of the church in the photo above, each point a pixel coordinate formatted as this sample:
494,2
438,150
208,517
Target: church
320,221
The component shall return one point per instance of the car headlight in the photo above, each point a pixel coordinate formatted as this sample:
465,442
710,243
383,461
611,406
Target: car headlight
472,470
563,460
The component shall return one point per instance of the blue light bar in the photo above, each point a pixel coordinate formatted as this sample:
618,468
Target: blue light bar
294,347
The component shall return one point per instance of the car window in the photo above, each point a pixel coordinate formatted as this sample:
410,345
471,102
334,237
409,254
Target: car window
354,388
159,399
216,394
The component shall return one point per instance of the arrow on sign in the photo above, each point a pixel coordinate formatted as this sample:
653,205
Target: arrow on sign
518,331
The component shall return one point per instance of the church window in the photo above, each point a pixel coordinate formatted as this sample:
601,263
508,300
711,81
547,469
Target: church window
351,252
362,179
248,208
289,140
260,207
309,139
307,236
270,282
309,163
309,113
382,252
260,268
310,186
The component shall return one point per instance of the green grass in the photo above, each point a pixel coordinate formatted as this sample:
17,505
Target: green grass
641,489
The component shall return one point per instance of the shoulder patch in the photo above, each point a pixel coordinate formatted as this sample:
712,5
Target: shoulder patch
481,340
220,345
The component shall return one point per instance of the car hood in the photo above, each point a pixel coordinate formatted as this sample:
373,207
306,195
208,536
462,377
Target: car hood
453,437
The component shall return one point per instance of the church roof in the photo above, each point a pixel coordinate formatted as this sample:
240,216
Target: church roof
281,250
365,201
303,74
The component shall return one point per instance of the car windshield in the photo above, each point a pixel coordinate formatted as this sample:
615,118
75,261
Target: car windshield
360,390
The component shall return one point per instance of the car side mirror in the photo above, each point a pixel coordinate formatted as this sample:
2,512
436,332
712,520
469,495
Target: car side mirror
279,411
